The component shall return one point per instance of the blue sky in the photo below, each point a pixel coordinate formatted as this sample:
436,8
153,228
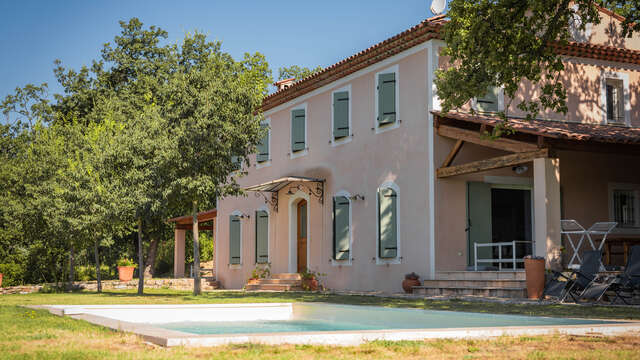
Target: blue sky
307,33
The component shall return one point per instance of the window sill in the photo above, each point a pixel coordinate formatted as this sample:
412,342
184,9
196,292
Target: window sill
341,141
384,261
263,164
297,154
235,266
337,263
385,128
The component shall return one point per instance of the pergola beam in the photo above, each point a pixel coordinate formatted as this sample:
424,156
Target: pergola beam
452,154
201,227
493,163
475,137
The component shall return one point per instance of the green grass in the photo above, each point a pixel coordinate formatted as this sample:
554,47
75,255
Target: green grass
36,334
162,296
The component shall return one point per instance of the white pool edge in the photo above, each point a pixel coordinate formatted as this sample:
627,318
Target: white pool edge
169,338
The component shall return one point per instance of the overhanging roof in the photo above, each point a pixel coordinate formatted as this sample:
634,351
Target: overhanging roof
202,216
279,184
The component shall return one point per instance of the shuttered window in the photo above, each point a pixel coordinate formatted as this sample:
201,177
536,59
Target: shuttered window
340,114
262,237
615,100
386,99
298,123
489,101
234,239
263,146
236,162
341,228
387,223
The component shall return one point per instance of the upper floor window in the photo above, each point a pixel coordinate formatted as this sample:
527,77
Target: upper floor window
299,131
236,162
341,115
625,204
615,100
263,146
490,101
387,99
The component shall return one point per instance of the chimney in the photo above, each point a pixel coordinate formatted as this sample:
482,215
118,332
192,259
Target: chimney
284,84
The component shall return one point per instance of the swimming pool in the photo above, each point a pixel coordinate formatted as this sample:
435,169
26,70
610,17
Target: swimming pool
319,323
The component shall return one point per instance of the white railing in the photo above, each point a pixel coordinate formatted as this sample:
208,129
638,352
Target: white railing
500,260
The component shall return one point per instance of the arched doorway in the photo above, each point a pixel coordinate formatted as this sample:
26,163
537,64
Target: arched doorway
301,235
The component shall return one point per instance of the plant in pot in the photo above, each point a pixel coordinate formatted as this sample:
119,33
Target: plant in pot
410,280
262,271
125,269
310,280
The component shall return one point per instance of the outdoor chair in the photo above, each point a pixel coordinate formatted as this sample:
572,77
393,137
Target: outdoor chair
573,228
625,283
579,280
601,229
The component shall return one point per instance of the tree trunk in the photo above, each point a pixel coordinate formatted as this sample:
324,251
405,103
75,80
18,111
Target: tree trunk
196,251
151,257
140,259
72,274
96,253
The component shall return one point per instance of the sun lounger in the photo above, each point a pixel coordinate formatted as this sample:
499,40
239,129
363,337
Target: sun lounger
621,285
561,286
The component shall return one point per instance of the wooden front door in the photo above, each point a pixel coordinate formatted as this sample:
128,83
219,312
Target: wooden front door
302,235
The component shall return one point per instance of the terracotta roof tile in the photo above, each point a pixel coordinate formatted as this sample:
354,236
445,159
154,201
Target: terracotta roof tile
557,129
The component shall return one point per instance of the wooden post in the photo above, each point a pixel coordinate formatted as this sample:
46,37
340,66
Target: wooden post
178,253
546,189
96,253
196,251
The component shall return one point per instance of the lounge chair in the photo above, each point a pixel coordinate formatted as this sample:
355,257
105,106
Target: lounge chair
579,280
625,283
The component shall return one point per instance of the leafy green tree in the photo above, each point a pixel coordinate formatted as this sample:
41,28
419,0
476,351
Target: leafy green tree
296,72
505,42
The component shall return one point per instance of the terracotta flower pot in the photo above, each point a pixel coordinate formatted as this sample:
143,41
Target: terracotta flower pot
408,284
125,273
253,281
0,279
310,284
534,271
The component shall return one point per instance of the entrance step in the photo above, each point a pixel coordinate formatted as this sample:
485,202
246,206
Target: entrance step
209,283
511,293
277,282
480,275
477,283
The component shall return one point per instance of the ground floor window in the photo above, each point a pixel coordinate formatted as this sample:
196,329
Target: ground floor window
341,227
625,204
262,237
235,236
388,221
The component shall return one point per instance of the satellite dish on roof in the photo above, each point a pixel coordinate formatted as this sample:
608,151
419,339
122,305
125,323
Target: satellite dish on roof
437,6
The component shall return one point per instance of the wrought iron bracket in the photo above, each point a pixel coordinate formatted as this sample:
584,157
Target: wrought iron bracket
318,191
273,202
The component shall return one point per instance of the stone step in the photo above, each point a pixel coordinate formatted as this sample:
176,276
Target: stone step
286,276
272,287
280,281
512,293
480,275
476,283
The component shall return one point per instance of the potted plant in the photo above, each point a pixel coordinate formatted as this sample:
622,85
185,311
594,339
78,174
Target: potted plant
259,273
125,269
310,280
534,273
410,280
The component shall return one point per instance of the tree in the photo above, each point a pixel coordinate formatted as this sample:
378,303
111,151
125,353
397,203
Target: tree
504,42
296,72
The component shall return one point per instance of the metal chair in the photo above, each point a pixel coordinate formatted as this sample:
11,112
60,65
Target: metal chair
600,228
569,228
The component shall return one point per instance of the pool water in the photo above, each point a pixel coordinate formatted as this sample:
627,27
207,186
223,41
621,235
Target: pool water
331,317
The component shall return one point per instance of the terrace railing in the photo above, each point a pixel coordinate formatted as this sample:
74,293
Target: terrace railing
513,259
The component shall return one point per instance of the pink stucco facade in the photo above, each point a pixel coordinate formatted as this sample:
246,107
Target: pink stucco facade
431,211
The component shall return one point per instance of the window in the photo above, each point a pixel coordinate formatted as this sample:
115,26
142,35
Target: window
489,102
341,115
263,147
235,236
388,222
236,162
615,101
387,116
341,227
625,204
262,237
298,130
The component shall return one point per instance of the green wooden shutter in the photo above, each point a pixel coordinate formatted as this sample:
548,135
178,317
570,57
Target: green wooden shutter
340,114
386,99
479,228
263,147
489,102
388,223
262,237
236,162
341,230
234,239
297,130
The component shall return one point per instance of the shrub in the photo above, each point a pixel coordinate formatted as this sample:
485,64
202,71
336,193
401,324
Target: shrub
126,262
88,273
12,274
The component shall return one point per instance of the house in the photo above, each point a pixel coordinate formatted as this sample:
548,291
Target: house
364,179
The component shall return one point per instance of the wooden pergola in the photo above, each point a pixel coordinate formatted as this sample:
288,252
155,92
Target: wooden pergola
206,221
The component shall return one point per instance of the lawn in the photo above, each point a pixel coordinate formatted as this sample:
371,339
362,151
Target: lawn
37,334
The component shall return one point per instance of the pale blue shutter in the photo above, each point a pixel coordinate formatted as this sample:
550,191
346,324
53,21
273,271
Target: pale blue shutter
234,239
340,114
388,223
263,147
341,230
298,130
488,102
262,237
386,99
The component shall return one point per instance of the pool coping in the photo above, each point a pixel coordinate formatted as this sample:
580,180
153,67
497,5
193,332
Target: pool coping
170,338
